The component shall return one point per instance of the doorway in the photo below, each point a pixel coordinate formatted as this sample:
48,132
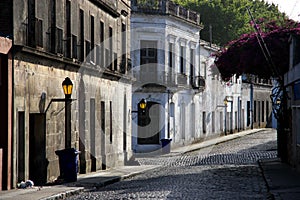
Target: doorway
21,146
37,148
150,124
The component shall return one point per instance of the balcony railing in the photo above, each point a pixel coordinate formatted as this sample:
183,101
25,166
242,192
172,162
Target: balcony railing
170,79
155,77
198,82
165,7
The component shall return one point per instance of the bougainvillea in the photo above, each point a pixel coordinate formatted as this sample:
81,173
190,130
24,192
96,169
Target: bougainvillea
245,56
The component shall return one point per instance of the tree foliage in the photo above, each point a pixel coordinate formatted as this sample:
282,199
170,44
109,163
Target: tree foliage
229,18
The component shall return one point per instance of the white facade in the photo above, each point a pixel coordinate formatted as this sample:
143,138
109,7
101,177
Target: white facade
186,114
175,73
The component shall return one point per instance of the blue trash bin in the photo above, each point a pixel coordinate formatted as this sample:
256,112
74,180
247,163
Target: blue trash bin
165,145
68,164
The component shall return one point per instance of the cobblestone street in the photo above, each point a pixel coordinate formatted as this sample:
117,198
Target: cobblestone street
225,171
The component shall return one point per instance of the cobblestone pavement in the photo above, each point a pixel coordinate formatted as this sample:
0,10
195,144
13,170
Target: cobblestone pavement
225,171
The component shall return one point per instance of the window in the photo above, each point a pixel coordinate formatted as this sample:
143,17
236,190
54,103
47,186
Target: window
74,46
182,62
101,54
192,63
171,55
115,61
39,32
97,54
59,41
81,35
124,49
53,26
107,60
87,51
68,29
148,52
92,52
110,48
31,23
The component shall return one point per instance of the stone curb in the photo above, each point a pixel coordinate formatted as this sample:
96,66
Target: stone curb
63,195
93,186
267,181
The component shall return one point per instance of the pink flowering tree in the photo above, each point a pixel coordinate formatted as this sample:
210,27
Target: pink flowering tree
244,55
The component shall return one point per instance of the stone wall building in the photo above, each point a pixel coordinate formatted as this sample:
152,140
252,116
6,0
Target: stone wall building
86,41
290,137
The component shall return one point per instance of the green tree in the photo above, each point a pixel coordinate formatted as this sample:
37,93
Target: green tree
229,19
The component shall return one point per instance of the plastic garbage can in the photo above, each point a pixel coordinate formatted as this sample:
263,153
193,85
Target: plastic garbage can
166,146
68,164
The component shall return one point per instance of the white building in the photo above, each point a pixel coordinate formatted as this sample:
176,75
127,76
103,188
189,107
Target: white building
171,66
176,76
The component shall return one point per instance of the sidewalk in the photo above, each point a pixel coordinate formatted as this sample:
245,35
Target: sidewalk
102,178
283,181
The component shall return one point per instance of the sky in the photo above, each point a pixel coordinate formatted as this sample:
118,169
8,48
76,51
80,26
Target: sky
289,7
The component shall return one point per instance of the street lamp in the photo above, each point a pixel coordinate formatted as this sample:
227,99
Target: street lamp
67,88
143,104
